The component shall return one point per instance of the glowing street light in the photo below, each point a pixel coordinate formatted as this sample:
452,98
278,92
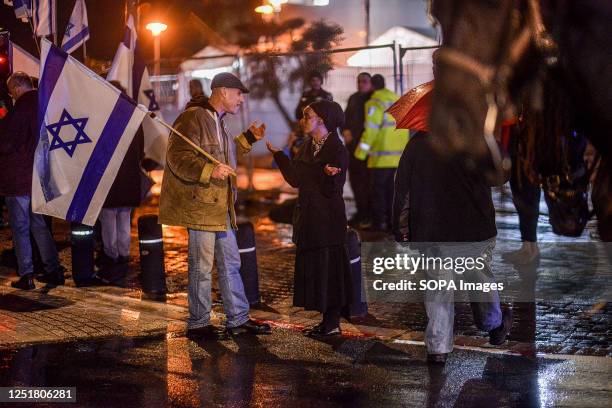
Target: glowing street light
264,9
156,29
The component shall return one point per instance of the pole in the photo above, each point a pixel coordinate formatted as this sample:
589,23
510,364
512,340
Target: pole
31,20
186,139
156,57
401,70
83,11
395,66
245,119
54,23
366,6
402,52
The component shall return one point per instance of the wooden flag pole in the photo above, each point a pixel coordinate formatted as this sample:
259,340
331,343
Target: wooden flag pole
186,139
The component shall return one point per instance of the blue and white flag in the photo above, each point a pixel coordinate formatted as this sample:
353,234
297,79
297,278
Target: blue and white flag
43,15
130,71
23,61
23,8
77,30
86,127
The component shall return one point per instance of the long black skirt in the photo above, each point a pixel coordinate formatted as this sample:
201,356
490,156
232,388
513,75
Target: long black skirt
322,279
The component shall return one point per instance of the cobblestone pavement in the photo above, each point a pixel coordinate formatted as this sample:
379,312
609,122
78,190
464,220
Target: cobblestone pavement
570,327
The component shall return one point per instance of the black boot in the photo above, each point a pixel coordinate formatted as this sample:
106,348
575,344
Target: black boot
250,327
26,282
498,336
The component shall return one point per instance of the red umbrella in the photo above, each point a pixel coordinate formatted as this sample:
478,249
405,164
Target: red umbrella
411,111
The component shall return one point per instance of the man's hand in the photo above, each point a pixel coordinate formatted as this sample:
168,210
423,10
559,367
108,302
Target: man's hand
258,131
331,171
221,171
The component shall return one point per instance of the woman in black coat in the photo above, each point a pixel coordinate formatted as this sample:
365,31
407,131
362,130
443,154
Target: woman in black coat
322,269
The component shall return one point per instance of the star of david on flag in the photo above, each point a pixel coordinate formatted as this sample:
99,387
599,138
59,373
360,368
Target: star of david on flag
69,146
69,28
150,94
77,30
86,127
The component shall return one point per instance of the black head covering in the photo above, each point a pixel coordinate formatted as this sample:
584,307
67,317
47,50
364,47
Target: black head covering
331,113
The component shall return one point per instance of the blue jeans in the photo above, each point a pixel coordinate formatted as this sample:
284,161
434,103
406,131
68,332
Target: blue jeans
204,248
23,221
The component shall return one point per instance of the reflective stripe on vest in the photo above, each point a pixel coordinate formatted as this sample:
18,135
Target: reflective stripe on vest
364,146
387,123
387,153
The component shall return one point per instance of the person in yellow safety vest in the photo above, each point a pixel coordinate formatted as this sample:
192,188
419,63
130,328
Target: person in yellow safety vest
382,144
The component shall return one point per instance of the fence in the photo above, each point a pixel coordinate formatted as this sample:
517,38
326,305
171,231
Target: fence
402,68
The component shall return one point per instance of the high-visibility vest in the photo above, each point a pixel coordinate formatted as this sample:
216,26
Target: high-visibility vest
381,143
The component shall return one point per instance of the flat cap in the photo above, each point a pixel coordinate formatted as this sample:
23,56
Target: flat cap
227,80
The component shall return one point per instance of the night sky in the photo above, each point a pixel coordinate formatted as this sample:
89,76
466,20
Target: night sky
107,21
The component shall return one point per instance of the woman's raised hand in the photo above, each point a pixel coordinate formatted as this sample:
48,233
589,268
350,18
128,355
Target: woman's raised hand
271,148
331,171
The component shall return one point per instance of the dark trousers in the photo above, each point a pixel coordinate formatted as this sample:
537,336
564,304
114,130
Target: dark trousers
526,198
359,177
382,195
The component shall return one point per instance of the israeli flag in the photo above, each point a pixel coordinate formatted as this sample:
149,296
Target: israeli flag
23,61
77,30
130,70
86,126
23,8
43,15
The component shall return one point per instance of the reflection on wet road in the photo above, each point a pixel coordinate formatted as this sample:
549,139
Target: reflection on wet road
289,370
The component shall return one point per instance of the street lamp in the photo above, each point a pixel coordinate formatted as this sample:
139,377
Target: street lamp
270,8
156,29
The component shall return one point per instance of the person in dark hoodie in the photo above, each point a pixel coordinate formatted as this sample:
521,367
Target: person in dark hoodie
18,140
322,277
359,176
196,91
438,204
123,196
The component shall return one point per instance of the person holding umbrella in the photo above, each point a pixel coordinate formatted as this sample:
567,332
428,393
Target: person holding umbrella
322,279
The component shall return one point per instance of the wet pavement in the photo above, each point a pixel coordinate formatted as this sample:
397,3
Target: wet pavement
119,349
287,369
569,327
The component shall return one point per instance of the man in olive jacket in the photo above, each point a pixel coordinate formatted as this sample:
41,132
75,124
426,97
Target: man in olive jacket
200,195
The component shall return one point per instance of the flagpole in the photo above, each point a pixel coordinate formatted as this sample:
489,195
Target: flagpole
30,19
186,139
54,23
83,11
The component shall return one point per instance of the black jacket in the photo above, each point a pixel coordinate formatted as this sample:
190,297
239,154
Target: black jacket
436,200
18,140
320,218
355,117
126,189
